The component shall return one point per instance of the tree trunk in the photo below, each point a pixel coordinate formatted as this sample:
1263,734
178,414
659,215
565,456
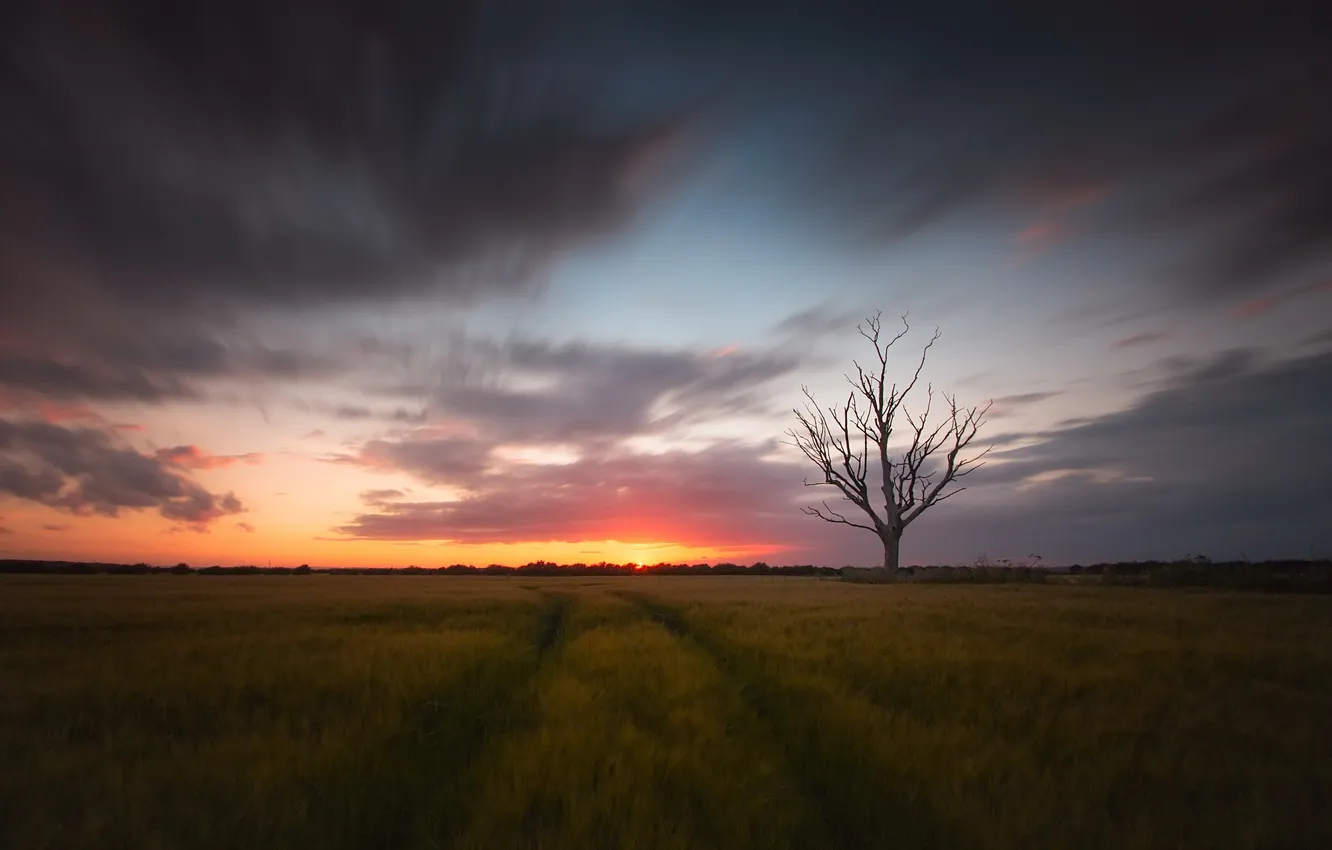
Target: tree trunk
892,544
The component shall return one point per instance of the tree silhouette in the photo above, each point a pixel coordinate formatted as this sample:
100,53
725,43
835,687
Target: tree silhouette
845,442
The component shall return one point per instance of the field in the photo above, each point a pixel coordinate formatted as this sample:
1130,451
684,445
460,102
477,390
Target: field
473,712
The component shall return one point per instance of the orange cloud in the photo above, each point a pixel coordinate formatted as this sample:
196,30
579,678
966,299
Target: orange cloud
56,412
192,457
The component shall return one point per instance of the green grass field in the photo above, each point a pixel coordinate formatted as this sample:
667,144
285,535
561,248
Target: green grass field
473,712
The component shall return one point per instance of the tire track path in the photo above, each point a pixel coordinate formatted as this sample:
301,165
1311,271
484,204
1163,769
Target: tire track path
423,798
636,745
825,754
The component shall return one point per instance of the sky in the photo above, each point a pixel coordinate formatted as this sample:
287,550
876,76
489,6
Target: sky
387,283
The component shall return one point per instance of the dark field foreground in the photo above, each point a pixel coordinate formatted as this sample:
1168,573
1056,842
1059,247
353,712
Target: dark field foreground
438,712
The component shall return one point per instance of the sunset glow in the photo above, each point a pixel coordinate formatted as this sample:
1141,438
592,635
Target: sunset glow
407,287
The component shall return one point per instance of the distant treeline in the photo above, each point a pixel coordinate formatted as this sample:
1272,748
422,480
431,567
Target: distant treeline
1279,576
537,568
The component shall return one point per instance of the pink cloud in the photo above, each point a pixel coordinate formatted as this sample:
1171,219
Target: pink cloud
724,496
31,404
52,412
192,457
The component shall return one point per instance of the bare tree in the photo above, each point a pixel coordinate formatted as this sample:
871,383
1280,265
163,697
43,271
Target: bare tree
844,443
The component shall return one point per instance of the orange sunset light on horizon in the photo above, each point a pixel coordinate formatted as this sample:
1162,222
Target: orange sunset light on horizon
398,284
299,525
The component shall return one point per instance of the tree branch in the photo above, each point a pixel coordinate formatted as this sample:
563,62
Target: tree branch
834,517
961,428
838,440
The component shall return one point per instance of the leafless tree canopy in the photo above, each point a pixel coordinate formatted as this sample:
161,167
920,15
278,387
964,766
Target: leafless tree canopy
845,441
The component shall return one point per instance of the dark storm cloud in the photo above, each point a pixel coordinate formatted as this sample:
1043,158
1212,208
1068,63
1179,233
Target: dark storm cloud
165,169
63,380
86,471
1269,184
160,164
1203,121
1230,452
147,364
296,152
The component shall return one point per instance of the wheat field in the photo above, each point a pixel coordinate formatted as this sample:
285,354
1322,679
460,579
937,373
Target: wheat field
675,712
